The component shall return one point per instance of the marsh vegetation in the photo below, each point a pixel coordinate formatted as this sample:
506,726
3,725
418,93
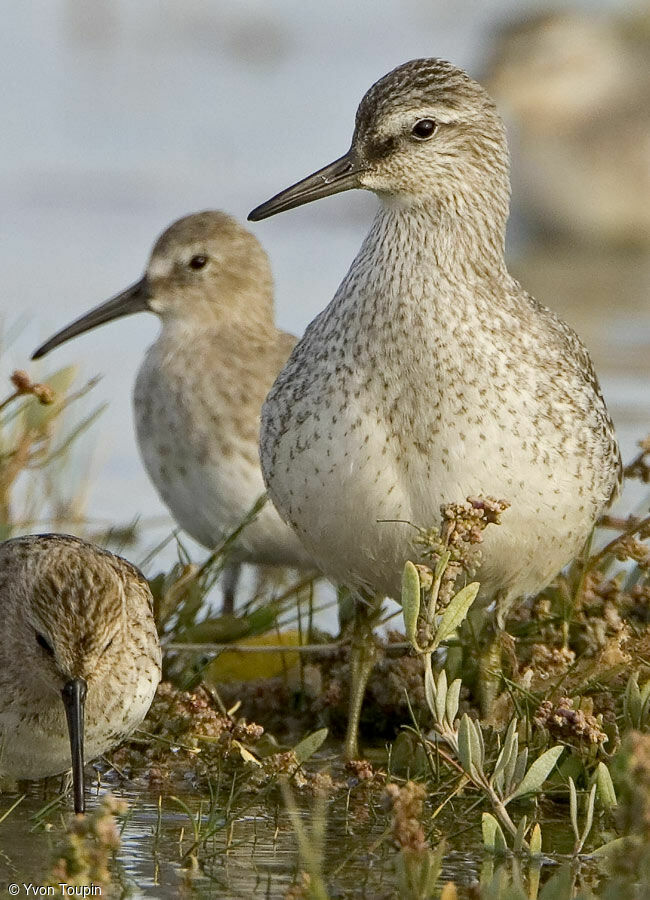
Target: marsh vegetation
234,785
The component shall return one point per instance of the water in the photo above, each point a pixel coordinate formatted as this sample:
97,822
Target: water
253,854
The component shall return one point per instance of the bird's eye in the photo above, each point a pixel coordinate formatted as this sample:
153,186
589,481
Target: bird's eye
107,646
423,129
198,262
42,642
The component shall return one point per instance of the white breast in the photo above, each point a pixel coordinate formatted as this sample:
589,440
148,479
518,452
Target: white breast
206,471
401,398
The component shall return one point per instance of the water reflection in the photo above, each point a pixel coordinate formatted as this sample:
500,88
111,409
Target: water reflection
254,854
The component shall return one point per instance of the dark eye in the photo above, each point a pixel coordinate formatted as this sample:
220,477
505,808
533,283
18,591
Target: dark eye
107,646
42,642
423,129
198,262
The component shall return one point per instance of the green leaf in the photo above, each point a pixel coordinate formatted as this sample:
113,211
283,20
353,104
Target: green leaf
645,703
453,696
645,692
493,839
521,764
573,808
519,836
456,612
497,782
487,871
536,840
478,749
245,753
511,764
411,601
430,690
441,697
465,744
632,701
500,845
606,792
590,814
309,745
538,772
441,565
614,846
559,887
489,827
506,749
432,870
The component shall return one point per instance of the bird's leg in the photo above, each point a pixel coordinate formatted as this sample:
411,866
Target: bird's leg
229,580
345,603
490,662
489,669
363,655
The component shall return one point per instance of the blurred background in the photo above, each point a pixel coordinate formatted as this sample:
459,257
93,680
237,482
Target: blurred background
118,117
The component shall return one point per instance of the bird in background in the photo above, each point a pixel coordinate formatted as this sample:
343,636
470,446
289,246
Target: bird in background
200,389
575,86
79,655
432,376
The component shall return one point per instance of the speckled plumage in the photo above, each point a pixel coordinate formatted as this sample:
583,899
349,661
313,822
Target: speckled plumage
199,392
200,389
432,375
94,610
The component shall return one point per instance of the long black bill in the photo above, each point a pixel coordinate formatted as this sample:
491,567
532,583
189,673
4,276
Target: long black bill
133,300
74,697
341,175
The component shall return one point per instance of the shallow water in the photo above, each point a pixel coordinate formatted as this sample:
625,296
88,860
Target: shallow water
253,855
256,855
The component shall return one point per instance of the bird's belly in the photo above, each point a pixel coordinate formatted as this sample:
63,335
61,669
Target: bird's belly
207,494
210,482
356,495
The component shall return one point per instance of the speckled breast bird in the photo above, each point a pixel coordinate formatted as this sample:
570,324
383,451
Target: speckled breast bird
432,375
79,655
199,392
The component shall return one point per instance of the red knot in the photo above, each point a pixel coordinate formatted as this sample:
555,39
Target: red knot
432,376
200,389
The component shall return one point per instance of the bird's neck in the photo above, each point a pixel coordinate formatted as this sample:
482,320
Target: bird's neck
247,312
450,239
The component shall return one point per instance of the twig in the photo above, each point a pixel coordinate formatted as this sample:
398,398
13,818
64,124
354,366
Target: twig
178,646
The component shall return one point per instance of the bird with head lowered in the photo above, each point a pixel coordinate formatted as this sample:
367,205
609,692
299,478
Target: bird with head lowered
79,655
